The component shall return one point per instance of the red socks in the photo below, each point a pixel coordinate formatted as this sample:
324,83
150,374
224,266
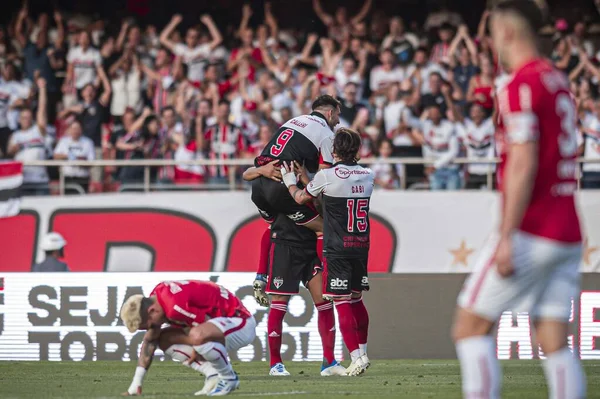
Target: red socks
274,328
348,325
326,323
362,319
265,246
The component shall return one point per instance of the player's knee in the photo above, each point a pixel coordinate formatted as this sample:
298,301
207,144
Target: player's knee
198,336
280,298
468,325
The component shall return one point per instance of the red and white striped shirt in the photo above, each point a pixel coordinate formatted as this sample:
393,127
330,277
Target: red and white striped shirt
226,142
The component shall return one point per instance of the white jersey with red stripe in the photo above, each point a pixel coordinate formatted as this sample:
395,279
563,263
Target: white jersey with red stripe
536,106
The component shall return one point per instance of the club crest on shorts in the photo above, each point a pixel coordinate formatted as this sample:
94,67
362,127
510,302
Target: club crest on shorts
277,282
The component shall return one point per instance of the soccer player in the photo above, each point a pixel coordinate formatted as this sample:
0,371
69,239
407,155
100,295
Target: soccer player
308,140
292,259
533,263
346,193
207,322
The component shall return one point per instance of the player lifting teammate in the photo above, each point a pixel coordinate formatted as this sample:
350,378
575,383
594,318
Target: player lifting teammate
533,263
199,343
346,192
293,259
308,140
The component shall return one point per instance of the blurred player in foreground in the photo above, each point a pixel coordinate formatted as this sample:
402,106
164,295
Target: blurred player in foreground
346,193
293,259
207,322
533,263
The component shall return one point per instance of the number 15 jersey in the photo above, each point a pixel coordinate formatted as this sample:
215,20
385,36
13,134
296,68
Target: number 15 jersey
346,190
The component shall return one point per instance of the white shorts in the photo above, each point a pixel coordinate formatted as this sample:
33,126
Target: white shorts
238,332
546,278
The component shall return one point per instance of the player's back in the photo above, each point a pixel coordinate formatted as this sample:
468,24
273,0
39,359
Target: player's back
303,139
194,298
536,105
284,230
346,202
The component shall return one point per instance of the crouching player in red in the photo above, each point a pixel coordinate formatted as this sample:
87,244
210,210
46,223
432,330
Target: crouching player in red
346,193
207,322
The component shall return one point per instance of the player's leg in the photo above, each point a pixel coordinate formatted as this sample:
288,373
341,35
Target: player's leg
326,319
360,283
282,284
175,343
260,282
337,277
475,347
563,370
208,341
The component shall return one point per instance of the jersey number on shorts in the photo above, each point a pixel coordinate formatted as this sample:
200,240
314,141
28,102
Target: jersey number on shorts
357,215
282,140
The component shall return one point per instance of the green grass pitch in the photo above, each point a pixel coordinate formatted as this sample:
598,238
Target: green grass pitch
385,379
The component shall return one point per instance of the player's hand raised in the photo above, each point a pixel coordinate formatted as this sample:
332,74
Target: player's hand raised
503,257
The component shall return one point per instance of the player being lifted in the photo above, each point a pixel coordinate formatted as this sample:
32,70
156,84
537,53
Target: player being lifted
207,322
533,263
346,193
306,139
293,259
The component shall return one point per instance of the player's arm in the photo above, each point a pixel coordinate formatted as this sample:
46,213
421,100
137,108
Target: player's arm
312,190
270,171
522,132
149,345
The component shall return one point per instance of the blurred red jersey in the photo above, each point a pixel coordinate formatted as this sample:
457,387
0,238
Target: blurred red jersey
190,303
536,105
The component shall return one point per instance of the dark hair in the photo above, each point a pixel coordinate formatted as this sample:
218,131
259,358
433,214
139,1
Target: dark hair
526,9
167,108
346,144
144,306
224,102
325,101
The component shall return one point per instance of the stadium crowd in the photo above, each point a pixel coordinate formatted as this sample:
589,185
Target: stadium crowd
72,91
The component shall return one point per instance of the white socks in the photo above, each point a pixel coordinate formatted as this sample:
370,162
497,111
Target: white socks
182,353
480,369
363,349
216,354
565,376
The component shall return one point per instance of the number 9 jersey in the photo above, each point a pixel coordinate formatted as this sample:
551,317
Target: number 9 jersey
536,106
346,190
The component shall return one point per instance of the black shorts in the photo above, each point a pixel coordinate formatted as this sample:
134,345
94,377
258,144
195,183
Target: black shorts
271,198
289,266
343,276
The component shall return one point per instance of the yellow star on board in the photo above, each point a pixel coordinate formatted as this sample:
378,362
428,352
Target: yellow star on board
461,254
588,251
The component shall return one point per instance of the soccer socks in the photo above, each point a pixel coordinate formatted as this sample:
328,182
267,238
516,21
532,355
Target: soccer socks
274,329
480,369
182,353
348,326
362,322
216,354
565,376
326,323
265,246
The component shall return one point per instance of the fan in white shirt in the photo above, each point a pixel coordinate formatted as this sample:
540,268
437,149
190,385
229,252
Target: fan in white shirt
28,143
477,136
386,73
84,62
591,148
193,54
349,72
75,147
387,175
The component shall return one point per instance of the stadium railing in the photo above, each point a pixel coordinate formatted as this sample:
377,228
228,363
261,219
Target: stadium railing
233,182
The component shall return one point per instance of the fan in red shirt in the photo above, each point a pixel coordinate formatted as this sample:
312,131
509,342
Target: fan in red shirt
533,263
207,322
